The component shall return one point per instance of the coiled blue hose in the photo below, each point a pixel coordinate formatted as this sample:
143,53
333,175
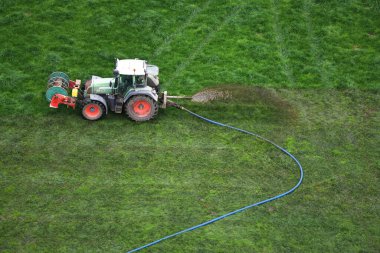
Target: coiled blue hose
238,210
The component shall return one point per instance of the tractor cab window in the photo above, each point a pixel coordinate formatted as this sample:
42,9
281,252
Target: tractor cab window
130,80
140,80
126,80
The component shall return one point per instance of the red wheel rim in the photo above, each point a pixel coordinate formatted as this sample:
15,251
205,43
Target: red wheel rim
92,111
141,108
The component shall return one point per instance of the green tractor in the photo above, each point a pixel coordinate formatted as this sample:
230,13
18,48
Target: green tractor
134,89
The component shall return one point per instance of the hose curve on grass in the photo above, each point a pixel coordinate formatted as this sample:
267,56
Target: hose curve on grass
243,208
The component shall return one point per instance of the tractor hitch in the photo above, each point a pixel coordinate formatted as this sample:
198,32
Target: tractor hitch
165,102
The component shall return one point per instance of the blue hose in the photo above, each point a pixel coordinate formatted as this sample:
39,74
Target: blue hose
238,210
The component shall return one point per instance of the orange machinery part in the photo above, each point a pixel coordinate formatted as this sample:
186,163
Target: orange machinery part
58,99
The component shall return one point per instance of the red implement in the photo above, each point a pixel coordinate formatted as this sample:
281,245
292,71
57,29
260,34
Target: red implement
58,99
74,84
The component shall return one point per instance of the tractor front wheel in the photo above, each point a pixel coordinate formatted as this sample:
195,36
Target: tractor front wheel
141,108
93,110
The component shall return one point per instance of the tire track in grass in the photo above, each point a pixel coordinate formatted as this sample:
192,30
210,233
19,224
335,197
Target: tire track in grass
283,53
168,40
314,45
202,45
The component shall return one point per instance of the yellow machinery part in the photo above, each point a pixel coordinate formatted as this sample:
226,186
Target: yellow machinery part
74,92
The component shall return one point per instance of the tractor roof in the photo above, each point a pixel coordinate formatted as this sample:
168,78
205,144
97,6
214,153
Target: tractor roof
131,67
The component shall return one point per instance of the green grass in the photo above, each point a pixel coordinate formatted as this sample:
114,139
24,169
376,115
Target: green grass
302,73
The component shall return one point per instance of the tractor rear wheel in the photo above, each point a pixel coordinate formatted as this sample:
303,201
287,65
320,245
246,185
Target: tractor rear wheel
141,108
93,110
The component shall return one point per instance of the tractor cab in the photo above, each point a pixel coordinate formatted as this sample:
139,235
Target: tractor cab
129,74
136,73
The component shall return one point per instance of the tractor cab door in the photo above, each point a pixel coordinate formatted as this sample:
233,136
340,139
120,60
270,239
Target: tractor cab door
126,81
115,85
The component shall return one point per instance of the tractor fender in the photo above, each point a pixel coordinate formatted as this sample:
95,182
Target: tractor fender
147,92
100,99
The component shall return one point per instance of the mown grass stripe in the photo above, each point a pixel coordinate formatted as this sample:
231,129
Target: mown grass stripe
314,45
178,32
283,52
204,43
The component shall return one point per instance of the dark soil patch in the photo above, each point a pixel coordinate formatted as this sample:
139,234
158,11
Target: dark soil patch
249,95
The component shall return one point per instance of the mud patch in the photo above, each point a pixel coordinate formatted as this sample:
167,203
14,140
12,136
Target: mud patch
210,95
248,95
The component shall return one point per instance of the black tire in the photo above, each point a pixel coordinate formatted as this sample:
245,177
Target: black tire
93,110
141,108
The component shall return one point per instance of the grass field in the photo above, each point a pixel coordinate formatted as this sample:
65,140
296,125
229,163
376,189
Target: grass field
305,74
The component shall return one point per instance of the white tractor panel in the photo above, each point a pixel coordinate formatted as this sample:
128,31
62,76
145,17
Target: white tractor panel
131,67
